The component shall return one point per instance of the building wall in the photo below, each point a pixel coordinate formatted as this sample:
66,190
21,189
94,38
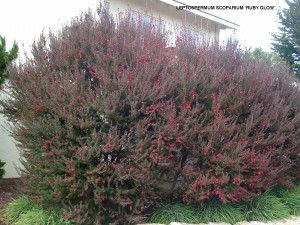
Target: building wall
169,14
8,150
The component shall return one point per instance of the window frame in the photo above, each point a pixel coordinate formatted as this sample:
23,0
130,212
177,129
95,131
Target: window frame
106,7
145,20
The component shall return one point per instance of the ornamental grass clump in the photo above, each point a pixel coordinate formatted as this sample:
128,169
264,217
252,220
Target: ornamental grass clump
291,198
218,213
22,211
17,207
109,119
168,213
41,217
266,207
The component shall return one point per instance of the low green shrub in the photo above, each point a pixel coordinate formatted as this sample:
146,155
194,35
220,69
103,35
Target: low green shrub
18,207
212,212
41,217
22,211
168,213
266,207
275,204
2,171
219,212
291,198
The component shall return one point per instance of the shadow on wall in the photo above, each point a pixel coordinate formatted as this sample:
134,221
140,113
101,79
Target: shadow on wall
8,150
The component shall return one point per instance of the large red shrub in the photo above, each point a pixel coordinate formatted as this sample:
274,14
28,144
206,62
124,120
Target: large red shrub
110,119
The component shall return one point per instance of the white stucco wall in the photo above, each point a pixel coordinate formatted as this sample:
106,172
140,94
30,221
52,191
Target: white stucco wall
168,14
8,150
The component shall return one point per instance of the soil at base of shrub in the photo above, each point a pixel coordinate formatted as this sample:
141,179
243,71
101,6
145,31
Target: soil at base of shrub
10,188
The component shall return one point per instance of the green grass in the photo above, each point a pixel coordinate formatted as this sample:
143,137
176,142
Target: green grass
272,205
218,212
40,217
214,212
291,198
18,207
22,211
266,207
168,213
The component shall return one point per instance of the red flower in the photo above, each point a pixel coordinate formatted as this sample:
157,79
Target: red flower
262,123
235,180
218,155
114,165
46,146
193,95
172,145
52,153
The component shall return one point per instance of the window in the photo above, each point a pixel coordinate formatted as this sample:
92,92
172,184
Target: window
202,38
141,19
193,35
134,16
106,7
189,34
160,25
147,21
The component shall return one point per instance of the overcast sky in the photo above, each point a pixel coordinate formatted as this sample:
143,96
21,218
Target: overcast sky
23,20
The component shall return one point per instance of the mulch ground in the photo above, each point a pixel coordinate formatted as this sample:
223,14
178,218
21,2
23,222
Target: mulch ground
10,188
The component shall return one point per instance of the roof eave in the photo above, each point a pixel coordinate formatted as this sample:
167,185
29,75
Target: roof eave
226,24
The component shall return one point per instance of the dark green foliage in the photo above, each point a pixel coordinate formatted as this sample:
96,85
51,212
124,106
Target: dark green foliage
219,212
269,57
291,198
211,212
6,57
168,213
266,207
279,203
2,171
287,42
